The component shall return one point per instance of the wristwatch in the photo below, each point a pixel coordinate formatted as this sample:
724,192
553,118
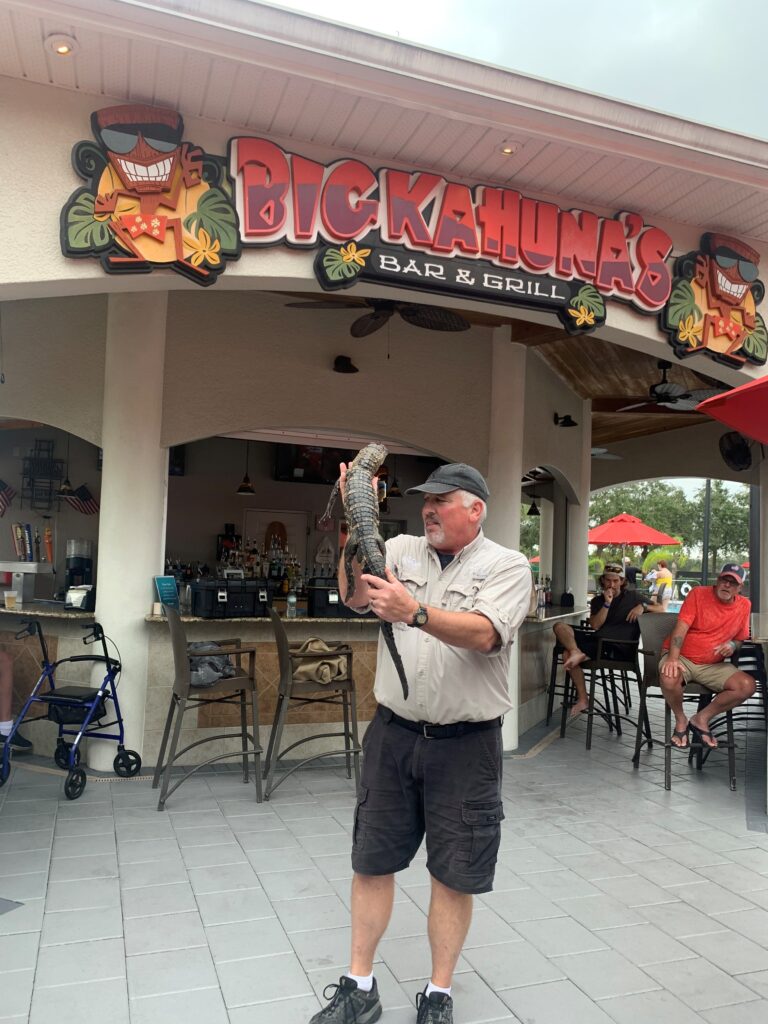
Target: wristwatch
420,617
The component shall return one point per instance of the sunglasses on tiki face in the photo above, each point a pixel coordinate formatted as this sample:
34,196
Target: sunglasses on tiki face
123,138
727,259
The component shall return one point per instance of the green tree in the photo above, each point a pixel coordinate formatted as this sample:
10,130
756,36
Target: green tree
728,524
529,533
658,504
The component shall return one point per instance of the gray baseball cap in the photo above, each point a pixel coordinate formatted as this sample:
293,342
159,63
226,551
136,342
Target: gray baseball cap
456,476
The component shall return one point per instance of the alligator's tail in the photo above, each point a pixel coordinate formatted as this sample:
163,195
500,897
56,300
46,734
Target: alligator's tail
389,639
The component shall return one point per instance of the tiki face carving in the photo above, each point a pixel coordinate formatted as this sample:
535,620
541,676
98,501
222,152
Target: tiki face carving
729,268
143,144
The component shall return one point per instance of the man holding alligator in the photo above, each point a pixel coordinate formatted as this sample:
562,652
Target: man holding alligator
433,760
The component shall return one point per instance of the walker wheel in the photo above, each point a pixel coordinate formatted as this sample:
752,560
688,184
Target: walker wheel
61,755
74,784
127,763
5,770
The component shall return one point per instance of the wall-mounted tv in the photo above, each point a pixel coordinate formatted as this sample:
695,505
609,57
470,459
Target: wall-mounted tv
309,464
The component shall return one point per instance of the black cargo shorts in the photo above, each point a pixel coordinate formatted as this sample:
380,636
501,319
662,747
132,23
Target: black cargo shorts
448,788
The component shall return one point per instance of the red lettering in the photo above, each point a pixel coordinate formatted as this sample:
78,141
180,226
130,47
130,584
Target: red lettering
538,234
405,201
456,228
577,251
345,211
614,268
306,186
499,217
654,282
266,176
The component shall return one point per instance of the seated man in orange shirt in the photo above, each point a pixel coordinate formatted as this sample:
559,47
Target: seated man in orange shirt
710,627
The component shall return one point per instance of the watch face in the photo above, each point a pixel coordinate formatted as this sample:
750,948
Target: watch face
421,617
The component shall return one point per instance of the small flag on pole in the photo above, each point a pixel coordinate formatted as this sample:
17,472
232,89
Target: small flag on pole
7,494
83,501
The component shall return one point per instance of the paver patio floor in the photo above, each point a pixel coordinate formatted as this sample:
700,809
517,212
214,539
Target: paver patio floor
615,900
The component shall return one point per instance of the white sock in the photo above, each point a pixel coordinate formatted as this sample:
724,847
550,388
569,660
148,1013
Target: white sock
364,981
436,988
5,727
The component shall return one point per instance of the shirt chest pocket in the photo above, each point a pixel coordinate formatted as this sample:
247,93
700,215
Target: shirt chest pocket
415,581
460,596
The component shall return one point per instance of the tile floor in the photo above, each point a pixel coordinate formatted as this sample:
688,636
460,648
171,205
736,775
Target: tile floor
615,901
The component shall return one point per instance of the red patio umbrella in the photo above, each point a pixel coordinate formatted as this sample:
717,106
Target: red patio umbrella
744,409
626,530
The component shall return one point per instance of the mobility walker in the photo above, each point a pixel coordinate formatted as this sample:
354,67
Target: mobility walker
77,710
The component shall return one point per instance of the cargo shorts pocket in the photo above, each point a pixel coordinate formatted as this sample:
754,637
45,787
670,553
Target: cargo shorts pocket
484,822
358,829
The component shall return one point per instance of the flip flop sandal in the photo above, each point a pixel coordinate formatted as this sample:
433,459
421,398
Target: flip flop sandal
681,734
704,732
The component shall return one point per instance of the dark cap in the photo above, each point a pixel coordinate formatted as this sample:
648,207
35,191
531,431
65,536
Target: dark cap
732,569
456,476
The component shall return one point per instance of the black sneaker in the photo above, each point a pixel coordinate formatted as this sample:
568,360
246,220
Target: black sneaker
18,742
348,1005
435,1008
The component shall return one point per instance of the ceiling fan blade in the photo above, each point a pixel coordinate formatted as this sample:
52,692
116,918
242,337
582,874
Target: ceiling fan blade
433,318
331,304
637,405
369,323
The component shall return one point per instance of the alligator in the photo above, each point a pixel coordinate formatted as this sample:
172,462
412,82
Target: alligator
362,512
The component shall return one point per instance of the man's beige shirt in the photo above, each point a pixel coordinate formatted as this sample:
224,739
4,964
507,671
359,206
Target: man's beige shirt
451,684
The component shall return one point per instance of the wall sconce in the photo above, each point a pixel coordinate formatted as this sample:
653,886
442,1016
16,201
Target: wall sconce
565,421
246,487
343,364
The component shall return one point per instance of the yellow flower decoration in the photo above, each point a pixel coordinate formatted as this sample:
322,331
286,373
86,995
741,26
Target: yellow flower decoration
688,330
582,316
351,254
204,250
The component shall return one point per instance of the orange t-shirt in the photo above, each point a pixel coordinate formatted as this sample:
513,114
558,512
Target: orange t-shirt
711,623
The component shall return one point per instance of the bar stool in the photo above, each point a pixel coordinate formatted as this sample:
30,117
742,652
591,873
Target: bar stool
232,690
613,673
339,691
558,652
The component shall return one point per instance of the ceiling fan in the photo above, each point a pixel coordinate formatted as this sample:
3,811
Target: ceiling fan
664,396
431,318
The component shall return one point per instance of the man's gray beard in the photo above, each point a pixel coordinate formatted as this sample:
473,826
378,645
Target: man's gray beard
435,538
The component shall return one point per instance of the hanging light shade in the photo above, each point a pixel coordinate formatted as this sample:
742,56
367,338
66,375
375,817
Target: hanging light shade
66,488
394,491
534,509
246,487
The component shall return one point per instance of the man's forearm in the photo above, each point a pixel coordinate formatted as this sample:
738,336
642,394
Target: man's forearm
360,598
470,630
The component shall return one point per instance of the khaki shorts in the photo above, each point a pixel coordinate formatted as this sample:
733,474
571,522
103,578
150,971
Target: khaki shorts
714,677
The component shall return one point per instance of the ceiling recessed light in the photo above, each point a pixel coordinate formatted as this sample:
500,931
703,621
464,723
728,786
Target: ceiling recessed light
62,45
508,148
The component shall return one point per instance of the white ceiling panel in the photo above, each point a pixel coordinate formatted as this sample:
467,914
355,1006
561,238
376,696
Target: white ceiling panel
195,82
169,72
115,61
10,62
28,36
223,73
243,96
293,98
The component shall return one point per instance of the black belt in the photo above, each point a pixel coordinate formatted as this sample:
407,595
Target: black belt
438,732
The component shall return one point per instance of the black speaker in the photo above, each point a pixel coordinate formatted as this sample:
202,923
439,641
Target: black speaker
735,451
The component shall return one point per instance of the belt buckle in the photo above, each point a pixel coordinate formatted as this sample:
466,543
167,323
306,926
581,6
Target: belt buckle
424,728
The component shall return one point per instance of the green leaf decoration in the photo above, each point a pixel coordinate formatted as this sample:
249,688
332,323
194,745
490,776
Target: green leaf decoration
755,345
83,233
682,304
336,269
589,297
216,215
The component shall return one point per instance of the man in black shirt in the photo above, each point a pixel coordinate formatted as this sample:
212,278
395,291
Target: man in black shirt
613,615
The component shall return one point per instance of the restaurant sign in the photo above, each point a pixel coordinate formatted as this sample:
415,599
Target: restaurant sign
153,200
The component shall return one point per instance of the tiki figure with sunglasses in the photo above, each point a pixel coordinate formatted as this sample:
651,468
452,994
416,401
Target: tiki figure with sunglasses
151,184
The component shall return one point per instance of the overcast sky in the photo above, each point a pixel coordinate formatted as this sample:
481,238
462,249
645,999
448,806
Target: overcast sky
704,60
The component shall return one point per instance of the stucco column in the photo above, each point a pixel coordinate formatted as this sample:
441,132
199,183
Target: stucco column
760,621
578,516
505,471
133,497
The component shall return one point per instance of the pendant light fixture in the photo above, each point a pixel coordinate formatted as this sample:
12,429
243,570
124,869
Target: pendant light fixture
394,491
246,487
534,509
66,489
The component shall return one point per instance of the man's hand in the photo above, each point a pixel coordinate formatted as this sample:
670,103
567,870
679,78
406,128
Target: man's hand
635,613
389,599
671,670
343,468
726,650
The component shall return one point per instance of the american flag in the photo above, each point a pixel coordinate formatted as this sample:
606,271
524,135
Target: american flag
83,501
7,494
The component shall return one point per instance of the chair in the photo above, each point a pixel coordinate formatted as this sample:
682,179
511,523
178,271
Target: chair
613,665
340,691
654,629
232,690
558,652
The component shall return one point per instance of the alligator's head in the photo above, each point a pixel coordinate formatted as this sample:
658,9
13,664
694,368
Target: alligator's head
371,457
